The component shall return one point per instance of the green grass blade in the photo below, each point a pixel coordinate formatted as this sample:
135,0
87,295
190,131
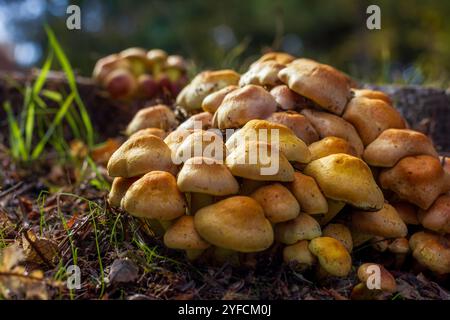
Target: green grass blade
16,140
56,121
40,81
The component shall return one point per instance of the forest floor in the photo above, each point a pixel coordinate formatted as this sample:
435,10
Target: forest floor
54,216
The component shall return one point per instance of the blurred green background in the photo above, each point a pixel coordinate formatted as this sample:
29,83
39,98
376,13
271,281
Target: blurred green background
413,45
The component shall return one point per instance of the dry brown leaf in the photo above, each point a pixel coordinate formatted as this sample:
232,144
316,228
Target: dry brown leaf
38,249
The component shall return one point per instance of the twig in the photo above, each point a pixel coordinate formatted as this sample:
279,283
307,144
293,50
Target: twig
8,191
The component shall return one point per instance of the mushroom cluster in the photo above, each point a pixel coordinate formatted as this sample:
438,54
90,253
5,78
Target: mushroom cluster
343,171
137,73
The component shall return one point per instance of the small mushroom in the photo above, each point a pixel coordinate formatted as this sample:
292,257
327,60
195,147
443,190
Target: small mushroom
150,131
323,84
199,121
105,65
244,104
262,73
120,83
372,94
175,67
419,180
432,251
395,144
182,235
280,57
371,117
366,273
155,196
308,194
139,155
201,143
332,255
298,123
278,202
327,125
213,101
384,223
137,58
157,59
256,160
339,232
437,217
175,139
119,187
287,99
159,116
205,83
304,227
236,223
400,248
330,145
300,254
147,86
275,134
346,178
205,178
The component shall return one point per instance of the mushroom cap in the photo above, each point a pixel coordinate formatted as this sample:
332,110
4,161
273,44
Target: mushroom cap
287,99
205,83
202,143
176,138
437,217
159,116
155,196
380,244
119,187
407,212
419,180
280,57
134,53
330,145
308,194
387,281
120,83
205,175
236,223
275,134
257,160
334,207
199,121
298,123
346,178
182,235
244,104
263,73
399,245
432,251
304,227
213,101
323,84
107,64
327,124
395,144
176,62
278,202
332,255
150,131
372,94
299,253
339,232
371,117
139,155
156,55
384,223
360,238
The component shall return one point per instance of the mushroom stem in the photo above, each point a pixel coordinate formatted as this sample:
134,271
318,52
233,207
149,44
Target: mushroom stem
222,255
200,200
193,254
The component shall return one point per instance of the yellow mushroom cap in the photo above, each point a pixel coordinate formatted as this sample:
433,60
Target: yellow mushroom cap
244,104
384,223
278,202
262,73
202,143
159,116
419,180
346,178
275,134
280,57
119,187
308,194
395,144
199,121
387,281
327,124
259,161
298,123
155,196
182,235
205,175
372,94
437,217
339,232
321,83
150,131
299,253
304,227
332,255
371,117
139,155
213,101
330,145
236,223
432,251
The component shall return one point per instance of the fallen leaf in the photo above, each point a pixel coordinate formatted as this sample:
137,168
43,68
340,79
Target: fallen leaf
39,250
123,271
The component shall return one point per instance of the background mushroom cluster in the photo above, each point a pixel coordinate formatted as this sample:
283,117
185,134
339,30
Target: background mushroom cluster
137,73
350,173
